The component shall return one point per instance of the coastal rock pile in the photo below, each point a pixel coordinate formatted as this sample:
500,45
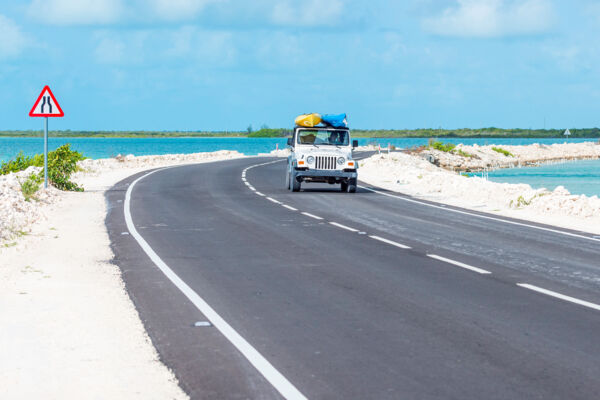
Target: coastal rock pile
131,161
17,214
477,158
413,175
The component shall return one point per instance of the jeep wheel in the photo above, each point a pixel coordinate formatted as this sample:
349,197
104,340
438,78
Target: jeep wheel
352,185
294,184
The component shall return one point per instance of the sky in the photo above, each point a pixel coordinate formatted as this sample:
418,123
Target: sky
220,65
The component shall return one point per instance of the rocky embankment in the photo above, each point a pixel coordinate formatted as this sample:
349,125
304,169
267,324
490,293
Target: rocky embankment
18,214
412,174
478,158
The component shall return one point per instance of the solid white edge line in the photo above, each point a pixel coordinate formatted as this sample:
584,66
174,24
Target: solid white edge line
480,216
560,296
290,207
459,264
311,215
402,246
279,382
344,227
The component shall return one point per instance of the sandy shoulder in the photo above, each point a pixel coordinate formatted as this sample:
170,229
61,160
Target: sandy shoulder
69,329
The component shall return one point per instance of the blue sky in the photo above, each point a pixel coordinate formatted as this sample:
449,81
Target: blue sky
225,64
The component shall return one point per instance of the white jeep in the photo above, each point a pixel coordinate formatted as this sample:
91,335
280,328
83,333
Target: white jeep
321,154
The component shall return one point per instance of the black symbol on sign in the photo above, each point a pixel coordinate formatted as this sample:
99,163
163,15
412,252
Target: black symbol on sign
47,101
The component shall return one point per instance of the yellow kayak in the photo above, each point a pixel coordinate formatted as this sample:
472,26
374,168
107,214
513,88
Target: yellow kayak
308,120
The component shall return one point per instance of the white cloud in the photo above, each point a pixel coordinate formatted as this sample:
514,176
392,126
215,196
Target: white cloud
12,40
492,18
179,9
118,48
208,47
76,12
308,12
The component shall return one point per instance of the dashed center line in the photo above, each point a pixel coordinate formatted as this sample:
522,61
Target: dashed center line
400,245
290,207
273,200
459,264
560,296
259,193
311,215
344,227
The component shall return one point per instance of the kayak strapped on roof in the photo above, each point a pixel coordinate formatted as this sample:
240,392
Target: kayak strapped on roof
308,120
335,120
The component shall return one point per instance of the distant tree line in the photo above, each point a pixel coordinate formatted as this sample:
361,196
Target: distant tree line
265,131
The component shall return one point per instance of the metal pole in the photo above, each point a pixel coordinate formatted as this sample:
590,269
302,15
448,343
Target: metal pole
45,152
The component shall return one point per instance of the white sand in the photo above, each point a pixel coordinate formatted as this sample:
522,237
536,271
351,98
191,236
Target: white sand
412,175
68,327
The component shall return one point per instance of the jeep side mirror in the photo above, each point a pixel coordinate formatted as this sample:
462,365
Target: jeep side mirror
354,143
289,141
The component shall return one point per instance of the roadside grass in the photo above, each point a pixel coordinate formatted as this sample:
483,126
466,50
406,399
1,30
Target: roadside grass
502,151
30,186
445,147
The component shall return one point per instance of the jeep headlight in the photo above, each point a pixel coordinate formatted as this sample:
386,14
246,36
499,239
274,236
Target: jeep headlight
310,159
341,160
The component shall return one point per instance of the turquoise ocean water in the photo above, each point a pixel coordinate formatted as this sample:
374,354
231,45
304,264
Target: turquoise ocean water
578,177
582,177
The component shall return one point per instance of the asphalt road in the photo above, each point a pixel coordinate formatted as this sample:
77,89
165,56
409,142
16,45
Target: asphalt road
384,297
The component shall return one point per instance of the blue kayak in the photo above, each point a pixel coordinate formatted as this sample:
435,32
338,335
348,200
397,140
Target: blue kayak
335,120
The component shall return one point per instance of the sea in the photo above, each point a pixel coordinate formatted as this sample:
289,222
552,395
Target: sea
579,177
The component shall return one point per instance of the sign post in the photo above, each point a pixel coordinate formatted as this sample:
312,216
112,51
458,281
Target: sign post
46,106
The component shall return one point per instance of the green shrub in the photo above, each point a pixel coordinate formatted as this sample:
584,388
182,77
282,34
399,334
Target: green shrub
30,186
502,151
62,162
464,153
20,163
445,147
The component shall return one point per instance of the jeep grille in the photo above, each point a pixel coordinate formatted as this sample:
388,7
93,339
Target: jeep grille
322,162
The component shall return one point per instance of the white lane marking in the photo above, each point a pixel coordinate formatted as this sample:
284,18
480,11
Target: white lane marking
344,227
560,296
244,179
273,200
279,382
311,215
459,264
246,183
290,207
402,246
481,216
259,193
252,188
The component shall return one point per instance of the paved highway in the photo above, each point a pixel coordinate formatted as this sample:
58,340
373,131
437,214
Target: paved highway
372,295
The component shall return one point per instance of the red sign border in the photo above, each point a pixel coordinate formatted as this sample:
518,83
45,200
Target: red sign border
31,114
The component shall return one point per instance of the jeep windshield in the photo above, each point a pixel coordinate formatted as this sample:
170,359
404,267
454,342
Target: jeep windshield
320,137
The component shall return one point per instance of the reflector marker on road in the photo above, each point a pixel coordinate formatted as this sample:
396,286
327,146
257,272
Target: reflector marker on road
400,245
560,296
344,227
459,264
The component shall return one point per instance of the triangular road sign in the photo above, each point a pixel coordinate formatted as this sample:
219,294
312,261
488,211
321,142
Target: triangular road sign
46,105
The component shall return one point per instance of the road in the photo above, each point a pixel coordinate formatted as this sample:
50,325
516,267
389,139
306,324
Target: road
372,295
